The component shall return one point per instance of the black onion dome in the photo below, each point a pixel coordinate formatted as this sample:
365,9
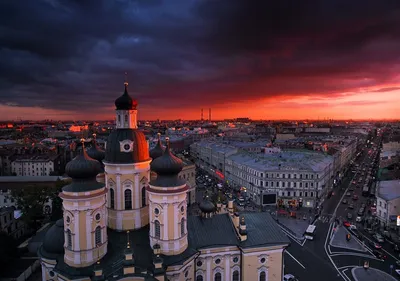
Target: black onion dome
96,152
167,164
125,102
158,150
83,167
54,239
206,206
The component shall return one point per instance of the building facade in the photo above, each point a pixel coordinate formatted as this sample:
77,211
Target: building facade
116,230
38,165
388,202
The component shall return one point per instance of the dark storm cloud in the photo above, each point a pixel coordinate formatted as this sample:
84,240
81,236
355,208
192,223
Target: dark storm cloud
71,55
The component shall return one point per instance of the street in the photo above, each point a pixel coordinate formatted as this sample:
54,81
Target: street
336,253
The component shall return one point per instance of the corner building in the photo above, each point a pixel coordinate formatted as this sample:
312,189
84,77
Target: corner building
119,226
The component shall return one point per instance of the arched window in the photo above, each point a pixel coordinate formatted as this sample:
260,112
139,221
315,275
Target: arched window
157,229
235,276
119,118
97,235
69,239
263,276
112,198
199,278
128,199
143,196
218,276
182,226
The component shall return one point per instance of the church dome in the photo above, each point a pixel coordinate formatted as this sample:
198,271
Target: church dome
167,164
95,151
126,146
83,167
158,150
53,242
125,102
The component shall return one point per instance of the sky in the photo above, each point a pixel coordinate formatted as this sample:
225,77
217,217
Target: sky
260,59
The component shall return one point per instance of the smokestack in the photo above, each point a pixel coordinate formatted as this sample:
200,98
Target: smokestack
202,115
209,114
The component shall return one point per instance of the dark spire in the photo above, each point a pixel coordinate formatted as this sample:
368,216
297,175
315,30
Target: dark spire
158,150
206,206
125,102
83,171
167,167
95,151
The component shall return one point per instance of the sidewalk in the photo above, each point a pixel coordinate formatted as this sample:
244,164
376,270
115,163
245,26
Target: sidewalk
371,274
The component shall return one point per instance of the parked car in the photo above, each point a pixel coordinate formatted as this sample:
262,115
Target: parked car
355,197
349,216
348,194
351,206
346,224
289,277
379,255
358,219
375,245
344,201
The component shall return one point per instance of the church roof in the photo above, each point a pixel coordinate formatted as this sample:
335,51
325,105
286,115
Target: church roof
203,233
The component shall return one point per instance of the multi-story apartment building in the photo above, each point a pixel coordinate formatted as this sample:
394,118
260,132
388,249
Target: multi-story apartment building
388,202
296,177
36,165
210,156
9,224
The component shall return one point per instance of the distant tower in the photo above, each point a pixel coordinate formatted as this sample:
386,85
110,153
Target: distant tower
202,115
209,114
167,205
85,218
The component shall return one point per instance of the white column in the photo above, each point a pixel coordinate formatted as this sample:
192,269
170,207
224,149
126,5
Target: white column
76,246
227,267
88,230
137,193
118,192
209,273
176,221
165,221
44,272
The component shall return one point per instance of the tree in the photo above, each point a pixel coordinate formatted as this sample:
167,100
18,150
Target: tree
56,208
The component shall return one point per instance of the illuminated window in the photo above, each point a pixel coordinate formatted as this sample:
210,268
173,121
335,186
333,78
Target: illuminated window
69,239
97,235
157,229
128,199
182,226
217,277
235,276
263,276
112,199
143,196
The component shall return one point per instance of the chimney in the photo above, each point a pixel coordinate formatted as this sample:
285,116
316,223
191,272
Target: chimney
98,272
242,229
236,220
230,206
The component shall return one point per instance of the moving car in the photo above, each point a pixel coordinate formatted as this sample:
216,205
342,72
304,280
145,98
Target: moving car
348,194
351,206
379,238
344,201
289,277
379,255
358,219
355,197
349,216
346,224
375,245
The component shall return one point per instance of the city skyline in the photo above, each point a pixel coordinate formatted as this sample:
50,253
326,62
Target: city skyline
303,61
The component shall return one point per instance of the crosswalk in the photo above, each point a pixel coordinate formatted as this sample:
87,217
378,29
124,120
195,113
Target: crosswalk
325,219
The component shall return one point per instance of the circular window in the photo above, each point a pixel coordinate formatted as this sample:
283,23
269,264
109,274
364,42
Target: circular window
199,263
186,273
156,211
51,273
97,217
68,219
218,261
127,147
182,209
235,259
262,260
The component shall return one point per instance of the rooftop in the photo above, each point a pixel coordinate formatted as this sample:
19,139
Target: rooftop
389,190
296,160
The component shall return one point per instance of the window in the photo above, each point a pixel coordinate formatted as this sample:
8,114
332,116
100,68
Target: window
182,226
217,277
112,199
157,229
97,235
143,196
126,118
199,278
128,199
119,118
263,276
235,276
98,216
69,239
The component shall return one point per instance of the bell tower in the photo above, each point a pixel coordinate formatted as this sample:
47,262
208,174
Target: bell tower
126,113
84,205
167,205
